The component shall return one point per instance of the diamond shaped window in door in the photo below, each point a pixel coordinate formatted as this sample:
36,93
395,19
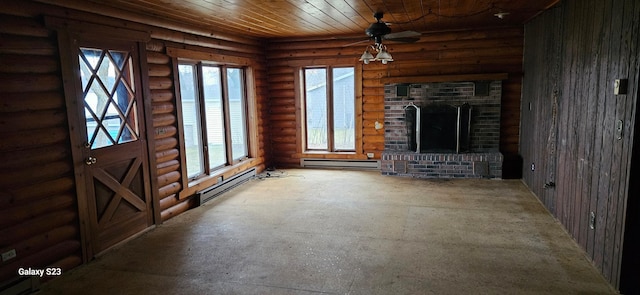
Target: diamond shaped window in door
109,97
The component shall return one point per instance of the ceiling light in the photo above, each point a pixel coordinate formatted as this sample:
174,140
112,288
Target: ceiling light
366,56
501,15
382,54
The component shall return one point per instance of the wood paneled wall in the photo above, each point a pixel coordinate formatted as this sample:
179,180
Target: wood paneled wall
573,55
445,53
38,201
38,214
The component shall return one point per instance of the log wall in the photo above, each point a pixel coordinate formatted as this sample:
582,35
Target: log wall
573,55
444,53
39,217
38,214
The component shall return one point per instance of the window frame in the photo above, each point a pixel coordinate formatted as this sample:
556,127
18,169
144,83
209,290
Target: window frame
207,169
329,72
252,120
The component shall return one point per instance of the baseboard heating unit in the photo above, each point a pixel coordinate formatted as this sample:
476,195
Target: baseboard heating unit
340,164
219,188
21,285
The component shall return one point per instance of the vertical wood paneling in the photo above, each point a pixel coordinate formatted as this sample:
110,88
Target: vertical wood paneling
446,53
540,105
629,61
37,196
596,46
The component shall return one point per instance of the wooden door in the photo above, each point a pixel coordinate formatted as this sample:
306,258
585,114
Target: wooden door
107,126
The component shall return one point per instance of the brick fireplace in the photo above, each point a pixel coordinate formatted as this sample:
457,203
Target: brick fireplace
479,156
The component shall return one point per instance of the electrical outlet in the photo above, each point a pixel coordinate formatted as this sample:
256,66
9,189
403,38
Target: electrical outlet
370,155
9,255
620,86
533,167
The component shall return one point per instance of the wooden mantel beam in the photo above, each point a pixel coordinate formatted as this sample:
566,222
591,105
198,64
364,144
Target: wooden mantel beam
445,78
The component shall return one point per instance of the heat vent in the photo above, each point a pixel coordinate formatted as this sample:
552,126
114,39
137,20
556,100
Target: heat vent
219,188
342,164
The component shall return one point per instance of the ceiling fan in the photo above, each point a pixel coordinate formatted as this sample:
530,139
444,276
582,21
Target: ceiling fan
379,31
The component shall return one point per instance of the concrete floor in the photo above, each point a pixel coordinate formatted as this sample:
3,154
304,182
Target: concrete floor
349,232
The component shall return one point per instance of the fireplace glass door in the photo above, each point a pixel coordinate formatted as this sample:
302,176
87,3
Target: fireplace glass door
439,128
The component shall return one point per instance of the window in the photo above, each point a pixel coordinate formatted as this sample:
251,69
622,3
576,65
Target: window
109,97
213,100
329,104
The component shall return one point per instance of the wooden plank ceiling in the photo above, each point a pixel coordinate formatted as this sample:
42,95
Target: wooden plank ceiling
322,18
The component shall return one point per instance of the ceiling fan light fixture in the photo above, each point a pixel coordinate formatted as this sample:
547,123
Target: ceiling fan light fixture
366,56
384,56
501,14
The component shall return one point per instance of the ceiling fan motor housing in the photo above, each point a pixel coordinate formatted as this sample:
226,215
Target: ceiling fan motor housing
377,30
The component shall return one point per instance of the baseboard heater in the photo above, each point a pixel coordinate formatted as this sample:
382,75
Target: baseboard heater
219,188
339,163
22,285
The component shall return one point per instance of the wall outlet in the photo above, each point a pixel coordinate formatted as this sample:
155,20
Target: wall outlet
370,155
620,86
9,255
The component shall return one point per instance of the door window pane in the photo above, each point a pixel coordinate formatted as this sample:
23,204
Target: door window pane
109,97
191,119
237,118
343,109
316,108
214,116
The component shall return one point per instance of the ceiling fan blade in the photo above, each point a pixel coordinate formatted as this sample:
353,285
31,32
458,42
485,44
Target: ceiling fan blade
404,40
354,43
403,34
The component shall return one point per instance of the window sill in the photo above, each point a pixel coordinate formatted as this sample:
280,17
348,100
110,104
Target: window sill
202,183
332,155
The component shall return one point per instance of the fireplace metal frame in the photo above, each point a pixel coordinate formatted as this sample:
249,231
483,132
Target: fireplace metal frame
458,126
417,124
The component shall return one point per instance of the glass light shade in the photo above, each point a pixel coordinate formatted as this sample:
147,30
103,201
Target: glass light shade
384,56
366,57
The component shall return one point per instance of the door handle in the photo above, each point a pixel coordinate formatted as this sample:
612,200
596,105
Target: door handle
91,160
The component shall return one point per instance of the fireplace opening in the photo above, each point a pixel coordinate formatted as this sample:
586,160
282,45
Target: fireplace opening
438,128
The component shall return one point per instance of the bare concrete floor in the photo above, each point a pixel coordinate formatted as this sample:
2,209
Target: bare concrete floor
349,232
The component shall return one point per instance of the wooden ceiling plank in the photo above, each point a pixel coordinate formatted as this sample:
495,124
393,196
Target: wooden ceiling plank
285,20
290,22
254,19
215,12
332,26
336,13
183,15
361,12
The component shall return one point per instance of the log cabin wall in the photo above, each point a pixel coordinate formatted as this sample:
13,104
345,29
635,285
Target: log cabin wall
38,208
445,53
576,162
38,202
